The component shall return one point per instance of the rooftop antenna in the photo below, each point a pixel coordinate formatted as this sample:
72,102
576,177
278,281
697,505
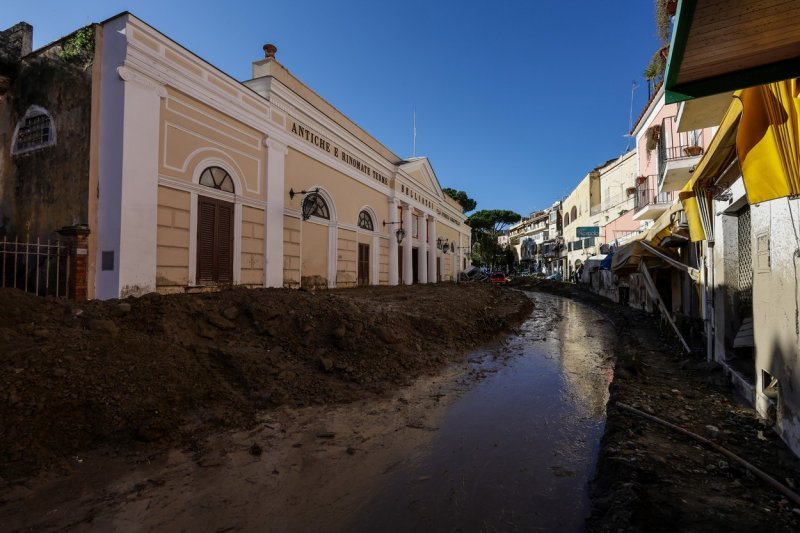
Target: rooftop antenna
630,117
414,135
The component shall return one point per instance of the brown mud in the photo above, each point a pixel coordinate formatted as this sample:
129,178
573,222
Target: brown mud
143,374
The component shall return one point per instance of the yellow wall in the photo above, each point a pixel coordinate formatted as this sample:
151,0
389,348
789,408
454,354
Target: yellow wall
383,262
314,271
252,263
172,242
349,196
347,259
191,132
291,251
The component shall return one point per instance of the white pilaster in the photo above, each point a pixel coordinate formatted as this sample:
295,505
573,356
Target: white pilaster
422,253
432,257
273,215
408,274
138,194
393,261
333,252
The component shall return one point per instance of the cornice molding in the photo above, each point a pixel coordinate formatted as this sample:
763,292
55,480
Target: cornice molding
274,144
297,106
130,75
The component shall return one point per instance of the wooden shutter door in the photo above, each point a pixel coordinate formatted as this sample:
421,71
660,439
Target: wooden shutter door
363,264
214,241
206,229
224,243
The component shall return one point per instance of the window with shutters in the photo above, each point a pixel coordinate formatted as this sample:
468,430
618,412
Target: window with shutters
215,231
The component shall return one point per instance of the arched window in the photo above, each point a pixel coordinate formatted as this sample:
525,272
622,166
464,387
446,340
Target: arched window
35,130
574,213
566,219
319,207
365,221
217,178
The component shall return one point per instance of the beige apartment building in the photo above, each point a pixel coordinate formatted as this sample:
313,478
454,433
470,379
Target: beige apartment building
203,180
603,199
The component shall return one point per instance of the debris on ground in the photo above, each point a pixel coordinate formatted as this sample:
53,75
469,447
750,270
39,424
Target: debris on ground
651,478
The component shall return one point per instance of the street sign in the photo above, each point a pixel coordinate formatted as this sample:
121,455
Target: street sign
587,231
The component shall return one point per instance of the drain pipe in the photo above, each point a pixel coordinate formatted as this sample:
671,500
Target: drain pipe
780,487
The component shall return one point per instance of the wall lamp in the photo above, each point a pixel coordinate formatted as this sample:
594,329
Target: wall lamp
400,233
444,245
309,202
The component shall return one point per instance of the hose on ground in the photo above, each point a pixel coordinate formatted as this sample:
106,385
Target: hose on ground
775,484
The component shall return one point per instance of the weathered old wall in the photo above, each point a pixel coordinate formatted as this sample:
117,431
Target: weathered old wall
44,189
775,249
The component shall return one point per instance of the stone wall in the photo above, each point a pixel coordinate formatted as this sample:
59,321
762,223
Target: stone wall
46,188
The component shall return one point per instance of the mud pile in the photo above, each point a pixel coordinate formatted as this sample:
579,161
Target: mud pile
160,369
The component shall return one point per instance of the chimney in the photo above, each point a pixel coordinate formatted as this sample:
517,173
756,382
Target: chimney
270,50
264,67
16,42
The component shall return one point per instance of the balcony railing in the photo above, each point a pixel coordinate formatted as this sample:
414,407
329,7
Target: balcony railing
674,144
645,197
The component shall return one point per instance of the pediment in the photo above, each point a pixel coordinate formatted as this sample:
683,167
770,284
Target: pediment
420,170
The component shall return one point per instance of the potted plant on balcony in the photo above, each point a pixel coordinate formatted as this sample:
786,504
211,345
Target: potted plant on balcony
665,10
694,148
652,136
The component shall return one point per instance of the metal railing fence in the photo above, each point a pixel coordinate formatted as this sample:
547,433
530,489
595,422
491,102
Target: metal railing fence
35,267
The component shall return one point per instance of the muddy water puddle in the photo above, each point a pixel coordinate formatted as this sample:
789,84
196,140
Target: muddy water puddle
517,451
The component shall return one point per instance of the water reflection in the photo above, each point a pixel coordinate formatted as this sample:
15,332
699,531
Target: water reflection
516,451
585,359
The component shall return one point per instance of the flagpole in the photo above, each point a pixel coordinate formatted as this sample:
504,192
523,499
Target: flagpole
414,143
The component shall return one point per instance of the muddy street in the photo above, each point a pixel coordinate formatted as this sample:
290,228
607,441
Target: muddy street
515,452
505,440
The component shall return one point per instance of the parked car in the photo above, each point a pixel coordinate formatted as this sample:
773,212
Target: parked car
555,276
498,277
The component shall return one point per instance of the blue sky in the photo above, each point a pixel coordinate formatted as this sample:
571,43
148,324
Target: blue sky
516,100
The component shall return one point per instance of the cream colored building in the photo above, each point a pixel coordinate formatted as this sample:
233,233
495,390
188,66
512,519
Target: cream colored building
202,181
603,199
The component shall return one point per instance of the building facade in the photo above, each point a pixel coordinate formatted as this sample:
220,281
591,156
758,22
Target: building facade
192,179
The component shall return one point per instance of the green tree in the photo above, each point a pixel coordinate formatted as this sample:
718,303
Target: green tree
487,226
461,197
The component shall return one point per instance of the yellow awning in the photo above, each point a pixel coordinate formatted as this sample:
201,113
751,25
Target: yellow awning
689,201
662,227
720,151
768,142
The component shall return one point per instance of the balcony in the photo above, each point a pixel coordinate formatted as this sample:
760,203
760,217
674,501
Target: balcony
678,154
648,203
